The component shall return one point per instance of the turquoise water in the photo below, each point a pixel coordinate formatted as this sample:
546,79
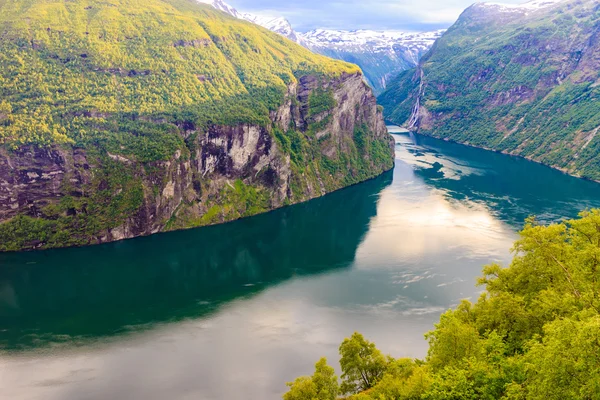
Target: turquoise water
234,311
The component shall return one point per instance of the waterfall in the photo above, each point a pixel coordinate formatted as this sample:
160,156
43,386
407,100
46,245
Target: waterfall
414,117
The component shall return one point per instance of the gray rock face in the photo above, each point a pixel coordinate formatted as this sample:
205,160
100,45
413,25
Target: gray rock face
179,193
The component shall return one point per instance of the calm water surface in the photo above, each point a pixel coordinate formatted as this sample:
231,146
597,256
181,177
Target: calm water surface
234,311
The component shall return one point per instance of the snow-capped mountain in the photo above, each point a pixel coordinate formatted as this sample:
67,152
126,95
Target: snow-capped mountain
526,8
382,55
222,6
413,44
276,24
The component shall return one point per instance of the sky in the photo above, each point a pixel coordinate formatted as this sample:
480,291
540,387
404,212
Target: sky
408,15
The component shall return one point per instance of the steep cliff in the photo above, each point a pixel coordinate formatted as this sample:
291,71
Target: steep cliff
167,115
523,80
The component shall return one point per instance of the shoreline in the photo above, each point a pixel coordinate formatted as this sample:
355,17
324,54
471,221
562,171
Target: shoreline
563,171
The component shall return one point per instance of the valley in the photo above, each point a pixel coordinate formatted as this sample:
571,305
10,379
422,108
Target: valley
200,202
191,314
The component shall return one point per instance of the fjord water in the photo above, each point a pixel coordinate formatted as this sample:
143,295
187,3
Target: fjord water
234,311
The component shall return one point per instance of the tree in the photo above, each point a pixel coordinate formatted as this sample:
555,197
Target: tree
404,379
363,365
322,385
325,381
567,361
452,341
303,388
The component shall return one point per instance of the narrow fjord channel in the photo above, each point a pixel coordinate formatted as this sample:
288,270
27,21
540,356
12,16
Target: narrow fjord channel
234,311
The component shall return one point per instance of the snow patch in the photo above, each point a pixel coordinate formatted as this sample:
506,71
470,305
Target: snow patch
524,7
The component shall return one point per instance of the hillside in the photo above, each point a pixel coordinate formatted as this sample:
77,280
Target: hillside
127,117
381,55
519,79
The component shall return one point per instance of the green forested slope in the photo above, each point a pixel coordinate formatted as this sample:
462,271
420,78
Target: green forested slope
525,83
124,118
76,71
534,334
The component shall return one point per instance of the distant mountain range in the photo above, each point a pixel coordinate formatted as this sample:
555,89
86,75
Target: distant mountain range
382,55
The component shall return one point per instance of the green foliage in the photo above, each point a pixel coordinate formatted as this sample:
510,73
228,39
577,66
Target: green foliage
453,340
23,230
320,101
526,86
362,364
322,385
116,193
88,70
403,379
567,361
534,334
234,201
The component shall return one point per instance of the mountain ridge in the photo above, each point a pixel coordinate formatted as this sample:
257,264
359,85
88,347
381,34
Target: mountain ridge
522,83
381,54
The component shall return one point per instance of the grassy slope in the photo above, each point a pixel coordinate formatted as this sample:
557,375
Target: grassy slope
526,86
74,71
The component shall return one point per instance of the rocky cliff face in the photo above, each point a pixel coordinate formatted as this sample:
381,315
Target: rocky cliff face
328,134
523,80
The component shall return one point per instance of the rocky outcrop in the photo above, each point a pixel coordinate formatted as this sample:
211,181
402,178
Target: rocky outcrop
65,196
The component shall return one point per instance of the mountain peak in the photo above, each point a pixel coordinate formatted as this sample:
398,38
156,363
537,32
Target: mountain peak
529,6
222,6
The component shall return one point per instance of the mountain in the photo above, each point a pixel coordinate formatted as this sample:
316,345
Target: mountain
124,118
381,55
278,25
524,80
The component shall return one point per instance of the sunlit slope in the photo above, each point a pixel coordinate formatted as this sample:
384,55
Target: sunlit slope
72,71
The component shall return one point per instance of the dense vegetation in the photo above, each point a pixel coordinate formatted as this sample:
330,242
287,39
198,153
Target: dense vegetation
133,85
91,71
521,83
533,334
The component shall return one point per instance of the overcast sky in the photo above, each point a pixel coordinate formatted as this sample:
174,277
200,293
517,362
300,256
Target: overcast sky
411,15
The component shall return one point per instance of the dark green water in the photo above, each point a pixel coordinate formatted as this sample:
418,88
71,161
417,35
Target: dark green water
235,311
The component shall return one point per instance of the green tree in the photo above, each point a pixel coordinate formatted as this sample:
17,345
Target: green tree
404,379
453,340
363,365
566,363
322,385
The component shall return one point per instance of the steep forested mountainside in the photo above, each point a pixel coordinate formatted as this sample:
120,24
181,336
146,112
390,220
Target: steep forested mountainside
123,118
519,79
